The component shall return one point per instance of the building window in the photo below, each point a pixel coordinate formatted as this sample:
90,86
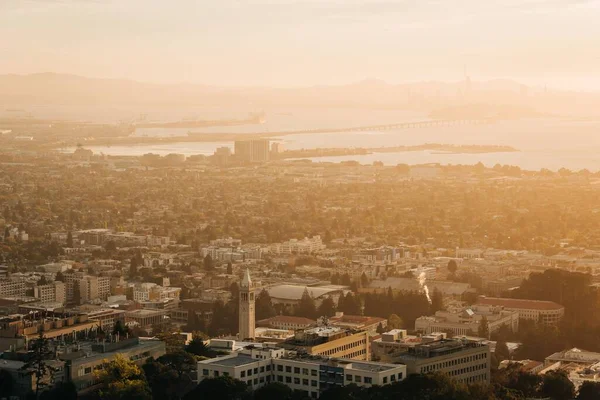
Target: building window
349,378
256,381
392,378
288,369
304,371
313,372
296,381
255,371
269,367
296,370
216,373
262,369
288,379
368,379
249,372
279,378
385,379
305,382
313,383
243,374
280,368
358,379
205,372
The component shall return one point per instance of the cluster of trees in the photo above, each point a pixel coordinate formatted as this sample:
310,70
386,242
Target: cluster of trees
580,326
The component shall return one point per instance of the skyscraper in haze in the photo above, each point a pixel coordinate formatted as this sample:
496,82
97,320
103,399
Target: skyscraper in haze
252,150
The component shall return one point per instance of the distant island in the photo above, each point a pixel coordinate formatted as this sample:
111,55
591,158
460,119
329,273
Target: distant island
436,147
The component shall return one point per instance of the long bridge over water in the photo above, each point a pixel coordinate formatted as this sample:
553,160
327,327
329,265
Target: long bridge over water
382,127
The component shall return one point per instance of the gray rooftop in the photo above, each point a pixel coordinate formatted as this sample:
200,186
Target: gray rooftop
238,360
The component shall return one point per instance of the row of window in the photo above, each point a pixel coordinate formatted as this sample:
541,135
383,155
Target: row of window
476,378
296,380
255,371
472,368
452,363
345,347
369,380
305,371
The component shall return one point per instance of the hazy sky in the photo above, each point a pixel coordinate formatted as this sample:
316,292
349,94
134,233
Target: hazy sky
305,42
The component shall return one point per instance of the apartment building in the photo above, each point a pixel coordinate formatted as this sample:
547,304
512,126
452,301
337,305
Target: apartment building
548,312
88,287
310,375
55,292
151,291
10,287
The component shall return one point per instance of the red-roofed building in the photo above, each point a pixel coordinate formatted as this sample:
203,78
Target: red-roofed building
357,322
547,312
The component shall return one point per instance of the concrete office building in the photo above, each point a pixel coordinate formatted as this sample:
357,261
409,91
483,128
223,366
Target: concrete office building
309,374
52,292
12,287
330,341
466,361
87,286
82,362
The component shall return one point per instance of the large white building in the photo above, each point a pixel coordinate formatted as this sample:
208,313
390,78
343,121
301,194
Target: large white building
148,291
467,321
304,246
548,312
309,374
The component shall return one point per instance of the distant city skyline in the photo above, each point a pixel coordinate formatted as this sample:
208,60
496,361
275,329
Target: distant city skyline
289,43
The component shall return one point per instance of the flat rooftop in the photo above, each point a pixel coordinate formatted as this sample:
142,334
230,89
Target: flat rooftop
236,361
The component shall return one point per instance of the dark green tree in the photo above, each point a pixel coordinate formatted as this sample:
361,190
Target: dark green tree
589,391
208,263
557,386
502,352
7,384
37,364
484,329
452,267
133,267
306,306
264,306
326,308
163,381
180,361
223,387
273,391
